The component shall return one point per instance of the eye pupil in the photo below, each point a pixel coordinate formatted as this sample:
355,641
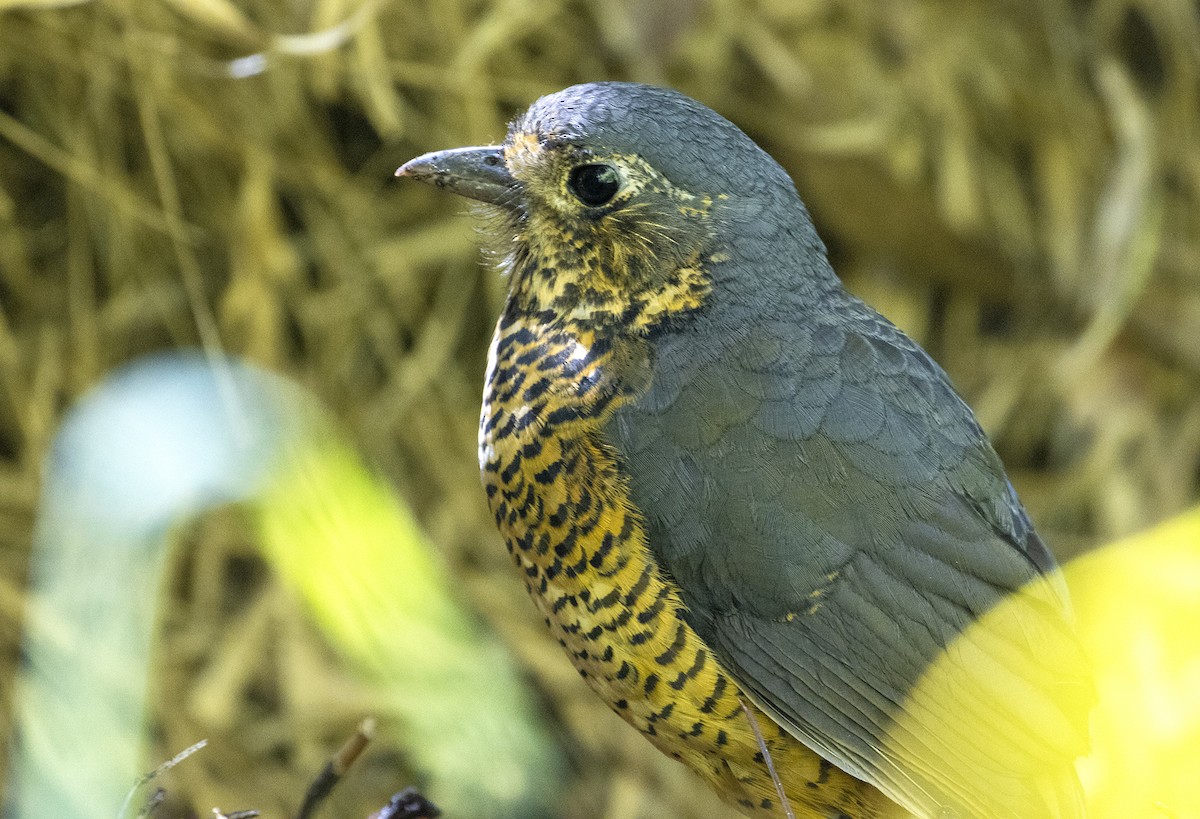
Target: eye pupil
594,184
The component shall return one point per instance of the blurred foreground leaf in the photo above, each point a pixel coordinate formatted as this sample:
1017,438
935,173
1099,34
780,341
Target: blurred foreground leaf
1138,602
1137,606
159,442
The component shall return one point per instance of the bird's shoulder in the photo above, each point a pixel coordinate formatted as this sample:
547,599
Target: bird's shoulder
813,434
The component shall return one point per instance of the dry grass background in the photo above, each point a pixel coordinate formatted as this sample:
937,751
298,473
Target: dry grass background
1016,183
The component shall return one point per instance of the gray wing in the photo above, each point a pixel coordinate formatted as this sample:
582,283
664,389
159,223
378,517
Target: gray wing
836,518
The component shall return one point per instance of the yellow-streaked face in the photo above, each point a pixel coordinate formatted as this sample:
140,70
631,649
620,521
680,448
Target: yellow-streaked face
602,237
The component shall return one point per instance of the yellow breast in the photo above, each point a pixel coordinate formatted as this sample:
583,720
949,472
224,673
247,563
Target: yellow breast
557,494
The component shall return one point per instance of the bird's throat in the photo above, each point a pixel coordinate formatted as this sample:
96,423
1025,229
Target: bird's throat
607,279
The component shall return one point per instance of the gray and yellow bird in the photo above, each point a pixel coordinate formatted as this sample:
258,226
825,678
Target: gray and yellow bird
741,498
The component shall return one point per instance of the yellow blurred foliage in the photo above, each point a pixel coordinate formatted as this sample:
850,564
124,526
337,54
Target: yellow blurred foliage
1137,607
1138,604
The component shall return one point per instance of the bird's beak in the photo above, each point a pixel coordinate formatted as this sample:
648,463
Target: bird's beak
477,173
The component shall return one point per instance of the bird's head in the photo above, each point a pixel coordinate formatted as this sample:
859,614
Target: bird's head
621,202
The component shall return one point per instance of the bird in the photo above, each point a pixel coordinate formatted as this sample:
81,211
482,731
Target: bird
752,511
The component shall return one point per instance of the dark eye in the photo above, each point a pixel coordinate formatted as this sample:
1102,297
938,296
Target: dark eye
594,184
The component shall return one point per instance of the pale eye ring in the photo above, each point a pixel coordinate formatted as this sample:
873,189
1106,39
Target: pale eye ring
595,183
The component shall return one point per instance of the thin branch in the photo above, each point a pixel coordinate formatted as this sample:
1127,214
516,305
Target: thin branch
145,778
762,744
333,771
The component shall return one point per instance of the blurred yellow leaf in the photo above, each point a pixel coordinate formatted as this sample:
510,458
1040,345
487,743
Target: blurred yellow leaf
1138,603
1137,607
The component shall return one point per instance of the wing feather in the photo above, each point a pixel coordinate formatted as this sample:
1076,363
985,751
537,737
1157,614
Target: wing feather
843,532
